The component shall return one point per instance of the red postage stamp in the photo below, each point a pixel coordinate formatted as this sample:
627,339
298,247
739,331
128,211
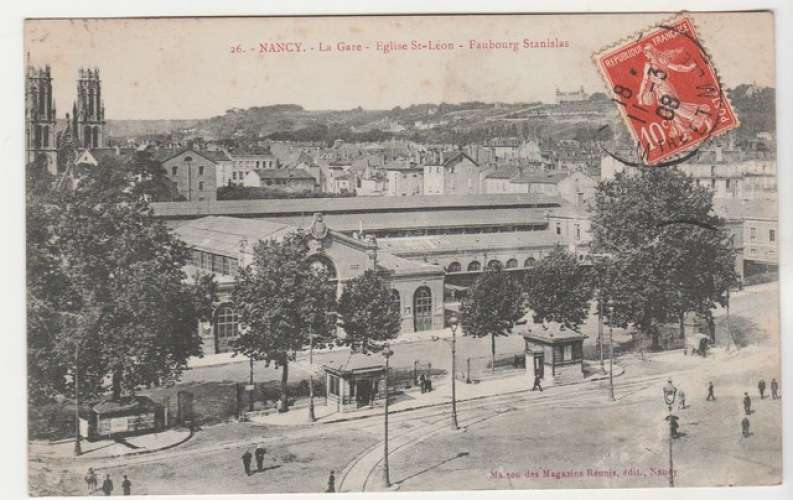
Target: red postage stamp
667,90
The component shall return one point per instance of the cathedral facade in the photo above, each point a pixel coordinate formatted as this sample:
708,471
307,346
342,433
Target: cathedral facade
83,130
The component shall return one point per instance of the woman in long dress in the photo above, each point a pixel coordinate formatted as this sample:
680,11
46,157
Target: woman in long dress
657,91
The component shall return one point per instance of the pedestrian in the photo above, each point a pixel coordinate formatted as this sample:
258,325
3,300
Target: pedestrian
537,383
259,453
423,383
774,389
126,486
747,403
90,480
246,462
673,426
428,383
745,427
681,399
761,388
710,397
107,485
331,483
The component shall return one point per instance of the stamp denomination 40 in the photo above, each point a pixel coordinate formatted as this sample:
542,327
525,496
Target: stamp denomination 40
667,90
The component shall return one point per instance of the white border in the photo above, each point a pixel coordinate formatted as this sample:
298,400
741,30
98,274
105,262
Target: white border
13,471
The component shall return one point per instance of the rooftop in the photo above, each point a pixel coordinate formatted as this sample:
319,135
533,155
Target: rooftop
551,333
223,234
284,173
282,207
419,245
357,362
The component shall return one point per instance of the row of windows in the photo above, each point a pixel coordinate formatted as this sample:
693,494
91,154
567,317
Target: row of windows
215,263
474,266
175,170
753,234
577,230
254,164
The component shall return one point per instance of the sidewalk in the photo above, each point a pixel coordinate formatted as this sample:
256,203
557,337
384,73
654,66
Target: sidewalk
108,448
414,399
228,357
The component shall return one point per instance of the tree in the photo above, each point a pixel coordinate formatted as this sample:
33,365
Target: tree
370,315
493,306
107,279
558,289
668,252
279,298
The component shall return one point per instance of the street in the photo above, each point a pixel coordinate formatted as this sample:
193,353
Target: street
564,437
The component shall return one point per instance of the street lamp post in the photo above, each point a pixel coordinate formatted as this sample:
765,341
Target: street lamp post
611,364
387,353
669,398
453,323
251,387
311,417
77,446
600,332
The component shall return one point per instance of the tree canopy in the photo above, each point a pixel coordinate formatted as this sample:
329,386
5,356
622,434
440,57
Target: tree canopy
107,294
493,306
667,252
558,289
281,300
369,313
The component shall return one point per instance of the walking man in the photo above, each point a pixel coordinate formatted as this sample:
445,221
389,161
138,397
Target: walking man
774,389
710,397
761,387
423,383
747,403
745,427
107,486
90,480
681,405
126,486
246,462
259,453
331,483
537,383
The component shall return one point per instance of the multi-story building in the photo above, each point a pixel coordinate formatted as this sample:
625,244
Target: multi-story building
404,180
283,180
458,173
221,244
246,160
193,173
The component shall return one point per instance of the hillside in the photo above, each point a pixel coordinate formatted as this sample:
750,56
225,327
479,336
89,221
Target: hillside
468,122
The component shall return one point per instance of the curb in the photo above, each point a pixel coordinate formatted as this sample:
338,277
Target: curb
430,405
138,453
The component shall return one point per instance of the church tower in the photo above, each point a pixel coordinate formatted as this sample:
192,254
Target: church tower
40,117
88,113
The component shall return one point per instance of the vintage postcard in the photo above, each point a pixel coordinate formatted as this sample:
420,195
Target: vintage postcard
406,252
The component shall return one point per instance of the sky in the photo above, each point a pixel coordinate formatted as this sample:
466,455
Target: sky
188,68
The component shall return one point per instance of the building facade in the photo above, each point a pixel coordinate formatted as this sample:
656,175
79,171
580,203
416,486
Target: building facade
193,173
88,112
457,174
40,118
222,244
405,180
282,180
